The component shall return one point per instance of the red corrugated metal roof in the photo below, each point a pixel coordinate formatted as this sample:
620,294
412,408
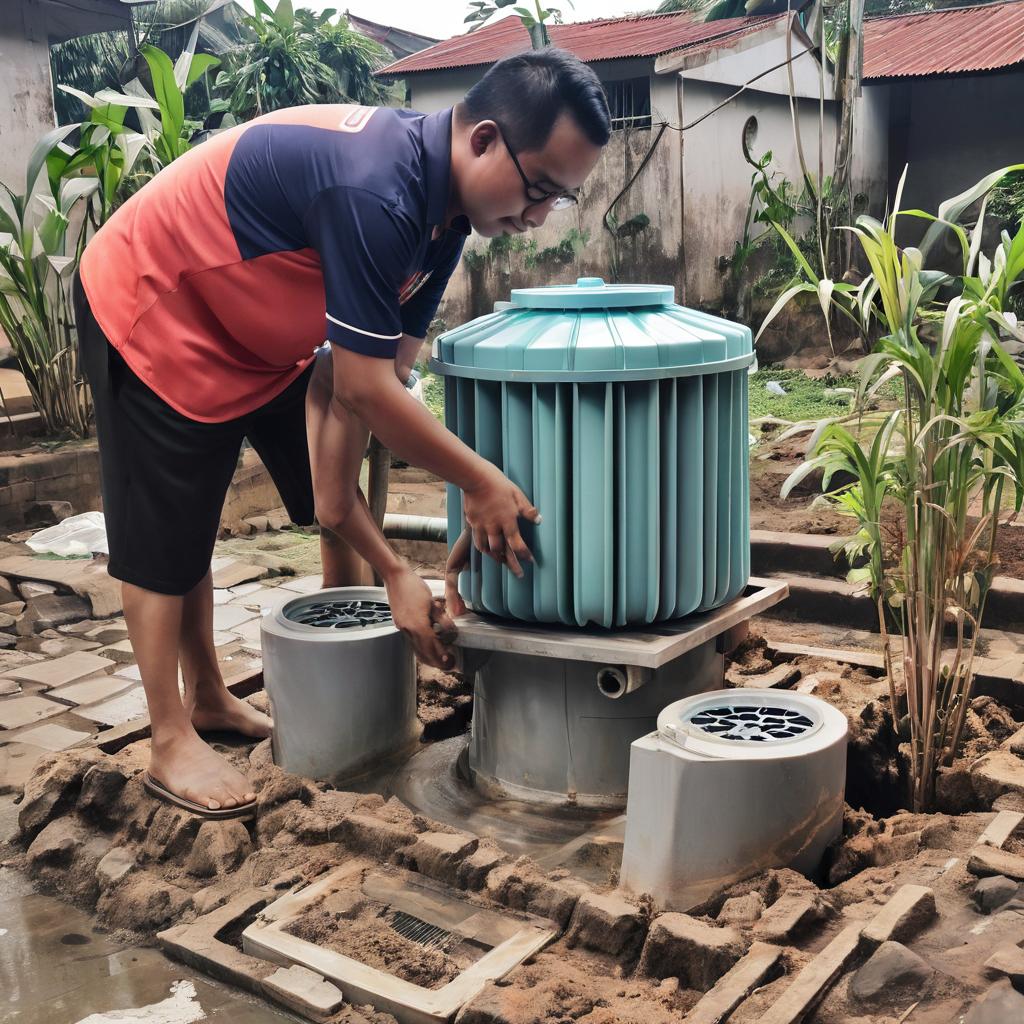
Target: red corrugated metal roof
606,39
949,42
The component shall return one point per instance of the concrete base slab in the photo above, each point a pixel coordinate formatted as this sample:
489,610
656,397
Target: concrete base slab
17,712
52,737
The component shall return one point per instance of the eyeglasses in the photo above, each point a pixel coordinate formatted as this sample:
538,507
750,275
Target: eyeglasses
563,198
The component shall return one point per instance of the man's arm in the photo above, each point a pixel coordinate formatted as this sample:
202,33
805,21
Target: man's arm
370,389
337,443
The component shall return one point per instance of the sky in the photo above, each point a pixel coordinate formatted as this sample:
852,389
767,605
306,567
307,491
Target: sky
443,18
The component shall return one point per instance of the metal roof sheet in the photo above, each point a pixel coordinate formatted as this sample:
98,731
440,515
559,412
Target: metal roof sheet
949,42
605,39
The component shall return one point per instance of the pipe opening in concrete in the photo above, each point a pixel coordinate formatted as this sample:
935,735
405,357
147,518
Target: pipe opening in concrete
612,682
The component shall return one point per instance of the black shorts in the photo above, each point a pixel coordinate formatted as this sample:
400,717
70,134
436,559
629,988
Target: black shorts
164,476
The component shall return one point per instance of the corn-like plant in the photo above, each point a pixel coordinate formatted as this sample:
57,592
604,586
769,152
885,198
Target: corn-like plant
35,301
939,470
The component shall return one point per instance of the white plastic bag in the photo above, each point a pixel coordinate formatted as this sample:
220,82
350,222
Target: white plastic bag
77,535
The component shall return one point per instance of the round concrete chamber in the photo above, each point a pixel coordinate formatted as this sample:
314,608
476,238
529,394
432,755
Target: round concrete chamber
553,730
341,679
730,784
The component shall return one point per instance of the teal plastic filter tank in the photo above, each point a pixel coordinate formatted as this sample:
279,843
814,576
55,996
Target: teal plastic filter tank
623,417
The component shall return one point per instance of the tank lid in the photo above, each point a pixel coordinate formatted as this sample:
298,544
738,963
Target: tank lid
593,293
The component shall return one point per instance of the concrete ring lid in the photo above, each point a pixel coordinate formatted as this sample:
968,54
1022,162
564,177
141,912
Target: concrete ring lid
752,724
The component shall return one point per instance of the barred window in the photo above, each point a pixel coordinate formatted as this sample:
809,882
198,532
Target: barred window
629,102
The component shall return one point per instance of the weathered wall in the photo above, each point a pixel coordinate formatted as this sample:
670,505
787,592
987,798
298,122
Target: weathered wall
27,27
716,178
952,132
26,100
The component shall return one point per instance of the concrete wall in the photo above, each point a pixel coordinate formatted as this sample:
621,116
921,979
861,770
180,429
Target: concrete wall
952,132
27,27
716,177
26,98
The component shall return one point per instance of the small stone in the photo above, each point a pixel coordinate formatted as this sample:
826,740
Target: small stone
219,847
1001,1004
1015,744
13,608
50,611
741,911
101,786
55,844
32,588
696,953
9,687
115,864
891,972
304,991
7,641
609,924
788,916
996,773
1008,960
53,788
6,621
991,893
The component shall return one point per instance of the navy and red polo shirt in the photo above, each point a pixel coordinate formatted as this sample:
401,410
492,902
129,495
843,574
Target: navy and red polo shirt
218,280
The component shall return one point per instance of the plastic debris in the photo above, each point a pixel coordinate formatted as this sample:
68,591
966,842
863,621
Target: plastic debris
773,387
85,534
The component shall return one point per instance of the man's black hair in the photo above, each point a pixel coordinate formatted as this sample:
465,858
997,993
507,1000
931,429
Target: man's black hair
525,95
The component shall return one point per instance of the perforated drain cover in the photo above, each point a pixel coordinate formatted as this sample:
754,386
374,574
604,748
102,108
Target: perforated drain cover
759,723
430,936
341,614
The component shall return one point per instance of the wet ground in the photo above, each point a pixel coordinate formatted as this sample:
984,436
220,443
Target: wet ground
56,967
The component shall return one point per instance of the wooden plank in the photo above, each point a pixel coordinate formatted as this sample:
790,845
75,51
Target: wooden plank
1000,828
644,647
986,860
733,987
810,985
909,909
862,659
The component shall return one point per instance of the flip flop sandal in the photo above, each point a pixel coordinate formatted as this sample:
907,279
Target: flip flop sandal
157,789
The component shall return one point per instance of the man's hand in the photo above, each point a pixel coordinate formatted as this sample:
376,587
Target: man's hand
422,617
457,561
492,509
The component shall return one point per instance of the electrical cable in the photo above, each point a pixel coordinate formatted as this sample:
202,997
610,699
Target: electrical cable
665,125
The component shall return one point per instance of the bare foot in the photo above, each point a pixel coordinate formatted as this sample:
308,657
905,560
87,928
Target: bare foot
220,711
189,768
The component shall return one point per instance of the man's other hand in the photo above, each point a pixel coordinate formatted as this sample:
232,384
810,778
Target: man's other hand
492,508
422,617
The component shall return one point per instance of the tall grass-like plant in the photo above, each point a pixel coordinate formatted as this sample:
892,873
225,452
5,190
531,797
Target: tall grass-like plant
931,478
35,290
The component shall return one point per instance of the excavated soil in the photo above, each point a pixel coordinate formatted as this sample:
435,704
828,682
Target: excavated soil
349,923
92,835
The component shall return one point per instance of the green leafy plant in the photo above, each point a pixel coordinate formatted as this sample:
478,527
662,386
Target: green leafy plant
943,466
534,20
299,57
36,310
